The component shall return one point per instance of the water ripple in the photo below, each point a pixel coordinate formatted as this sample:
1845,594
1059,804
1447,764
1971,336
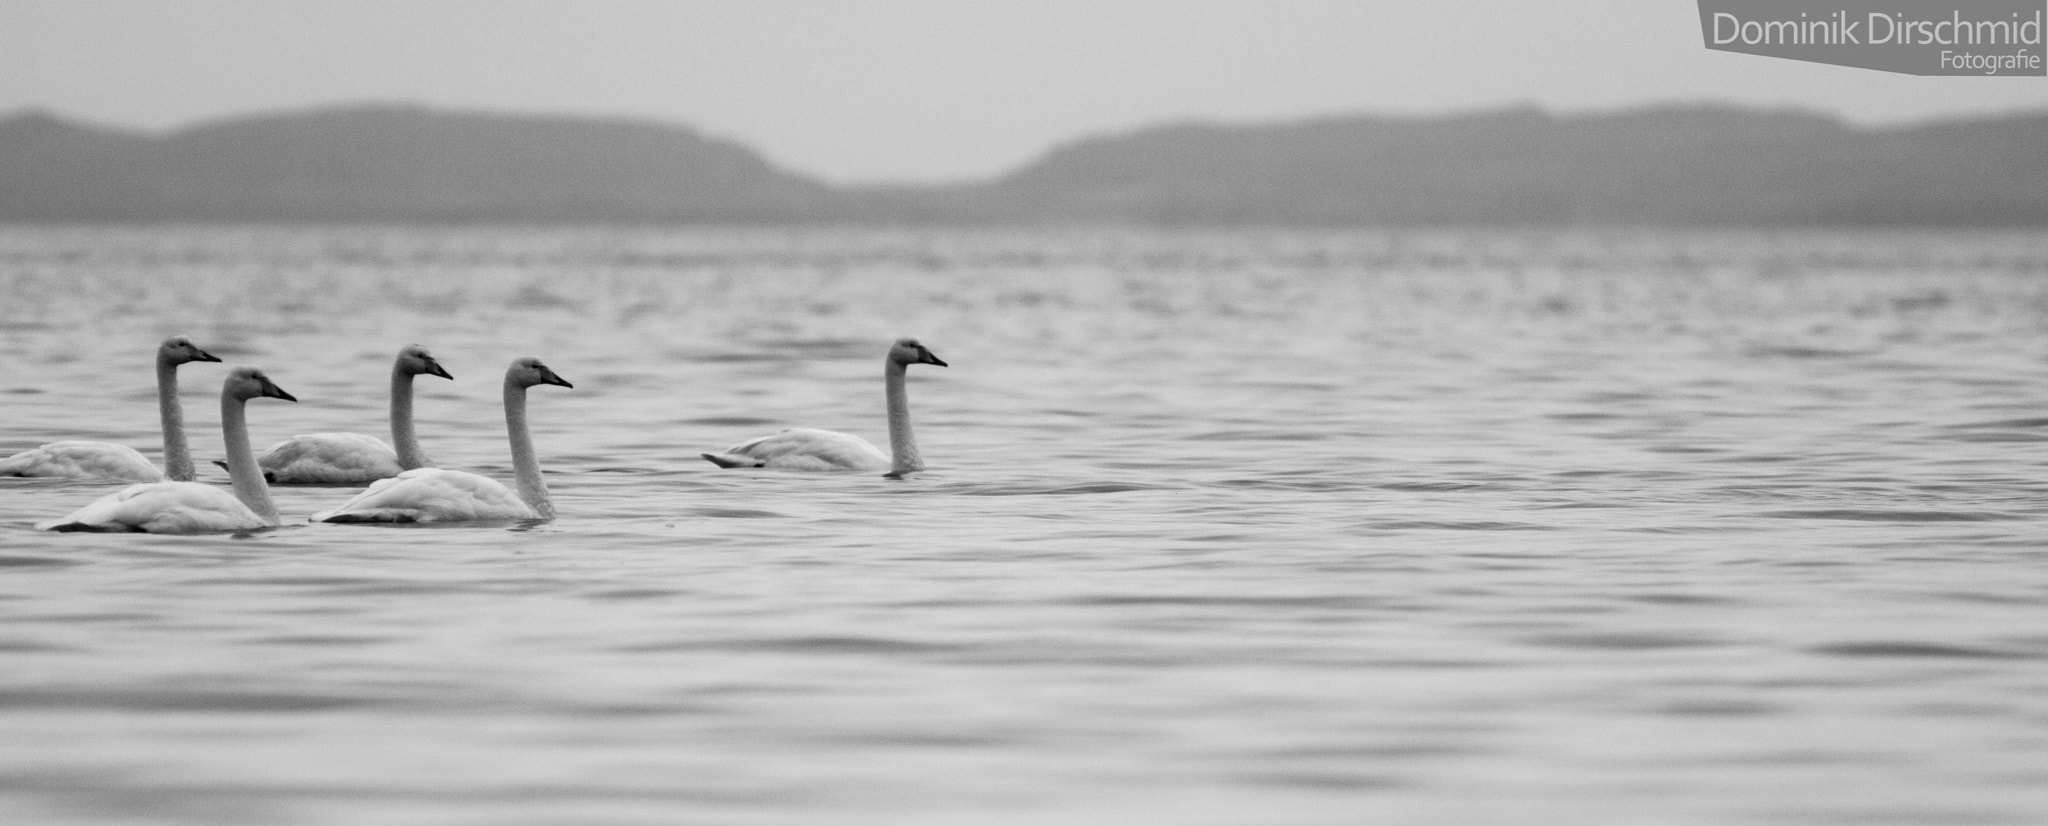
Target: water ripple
177,700
1301,526
1919,650
1863,515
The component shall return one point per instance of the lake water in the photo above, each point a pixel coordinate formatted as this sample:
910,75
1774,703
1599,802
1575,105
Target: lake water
1220,528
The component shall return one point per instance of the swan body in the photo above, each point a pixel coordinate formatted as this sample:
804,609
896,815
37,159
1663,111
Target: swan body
190,507
439,495
432,495
162,507
812,449
328,459
804,448
353,458
121,463
82,460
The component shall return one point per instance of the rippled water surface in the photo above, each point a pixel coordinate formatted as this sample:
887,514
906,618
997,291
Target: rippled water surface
1220,528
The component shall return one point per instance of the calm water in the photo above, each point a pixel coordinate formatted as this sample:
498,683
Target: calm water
1221,528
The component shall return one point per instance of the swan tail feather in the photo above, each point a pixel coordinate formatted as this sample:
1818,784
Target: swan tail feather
89,527
376,515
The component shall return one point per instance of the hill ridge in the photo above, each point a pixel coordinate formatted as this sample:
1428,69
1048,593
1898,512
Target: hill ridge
1668,164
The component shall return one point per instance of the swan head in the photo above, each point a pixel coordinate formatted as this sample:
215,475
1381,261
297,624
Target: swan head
528,371
180,349
245,383
414,360
908,351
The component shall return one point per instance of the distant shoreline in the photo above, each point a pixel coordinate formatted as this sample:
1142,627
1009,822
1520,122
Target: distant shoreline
1668,166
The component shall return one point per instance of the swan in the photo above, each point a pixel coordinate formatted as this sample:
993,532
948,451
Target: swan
811,449
437,495
103,460
191,507
353,458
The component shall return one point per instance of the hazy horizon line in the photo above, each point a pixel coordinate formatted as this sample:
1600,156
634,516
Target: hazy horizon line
754,146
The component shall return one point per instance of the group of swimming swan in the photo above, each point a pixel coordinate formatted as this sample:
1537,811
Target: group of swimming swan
404,486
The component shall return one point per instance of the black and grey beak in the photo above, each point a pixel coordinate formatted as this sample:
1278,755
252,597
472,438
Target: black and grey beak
434,368
925,356
202,355
272,391
548,376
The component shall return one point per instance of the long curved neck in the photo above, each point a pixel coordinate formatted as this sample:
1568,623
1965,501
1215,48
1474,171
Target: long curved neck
525,466
242,467
177,454
902,445
402,436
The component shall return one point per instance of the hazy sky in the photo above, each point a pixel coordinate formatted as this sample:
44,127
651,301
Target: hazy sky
867,90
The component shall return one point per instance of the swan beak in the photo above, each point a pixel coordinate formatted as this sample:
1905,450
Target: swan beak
434,368
926,357
202,355
558,381
272,391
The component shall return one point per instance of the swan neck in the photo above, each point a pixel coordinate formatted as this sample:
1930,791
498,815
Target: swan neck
177,453
904,457
525,465
403,438
242,467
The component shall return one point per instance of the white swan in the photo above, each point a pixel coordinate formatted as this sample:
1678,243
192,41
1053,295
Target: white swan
103,460
437,495
353,458
811,449
191,507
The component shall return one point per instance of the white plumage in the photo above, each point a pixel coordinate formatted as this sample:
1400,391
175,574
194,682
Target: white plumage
82,460
190,507
804,448
162,507
813,449
353,458
431,495
437,495
121,463
328,459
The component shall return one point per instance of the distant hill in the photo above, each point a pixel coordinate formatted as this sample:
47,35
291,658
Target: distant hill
1666,166
52,168
1697,165
392,163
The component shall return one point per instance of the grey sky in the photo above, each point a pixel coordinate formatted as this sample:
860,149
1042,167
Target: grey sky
866,90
